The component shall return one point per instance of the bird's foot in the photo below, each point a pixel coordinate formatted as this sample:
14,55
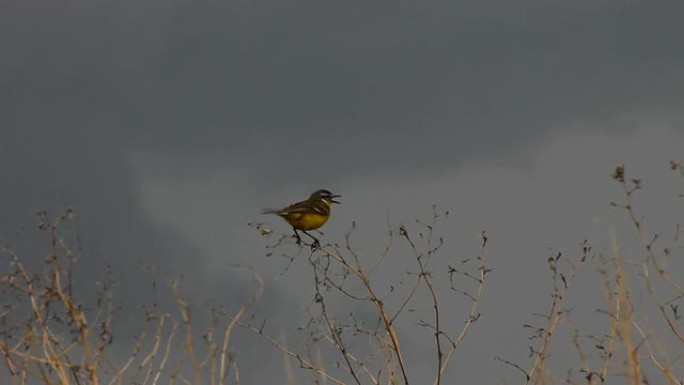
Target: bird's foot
315,245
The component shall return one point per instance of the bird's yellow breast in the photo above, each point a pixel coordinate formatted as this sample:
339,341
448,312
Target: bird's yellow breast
305,221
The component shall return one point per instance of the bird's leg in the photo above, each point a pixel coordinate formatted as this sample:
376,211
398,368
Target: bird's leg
316,244
299,240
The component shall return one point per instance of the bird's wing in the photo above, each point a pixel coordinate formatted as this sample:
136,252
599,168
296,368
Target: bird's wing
305,207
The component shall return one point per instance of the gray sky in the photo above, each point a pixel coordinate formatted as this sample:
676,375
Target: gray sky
170,125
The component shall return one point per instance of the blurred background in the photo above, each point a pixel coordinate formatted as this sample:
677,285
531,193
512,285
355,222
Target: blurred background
170,125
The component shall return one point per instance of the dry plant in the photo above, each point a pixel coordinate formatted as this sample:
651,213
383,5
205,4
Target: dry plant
564,272
353,335
363,313
663,290
49,335
632,347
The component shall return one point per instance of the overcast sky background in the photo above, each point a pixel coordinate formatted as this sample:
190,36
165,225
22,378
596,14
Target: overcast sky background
170,125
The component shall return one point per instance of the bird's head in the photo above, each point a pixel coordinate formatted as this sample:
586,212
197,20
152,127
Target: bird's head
325,196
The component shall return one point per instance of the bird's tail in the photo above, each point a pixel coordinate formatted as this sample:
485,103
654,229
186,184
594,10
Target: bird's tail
270,211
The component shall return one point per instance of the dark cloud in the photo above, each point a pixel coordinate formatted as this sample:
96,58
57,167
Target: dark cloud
278,81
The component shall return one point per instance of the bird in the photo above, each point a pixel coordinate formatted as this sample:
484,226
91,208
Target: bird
309,214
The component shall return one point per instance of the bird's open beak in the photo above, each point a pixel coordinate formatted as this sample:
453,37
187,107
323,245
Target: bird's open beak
335,196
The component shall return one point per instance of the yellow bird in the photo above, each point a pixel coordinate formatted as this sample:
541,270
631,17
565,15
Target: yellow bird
309,214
